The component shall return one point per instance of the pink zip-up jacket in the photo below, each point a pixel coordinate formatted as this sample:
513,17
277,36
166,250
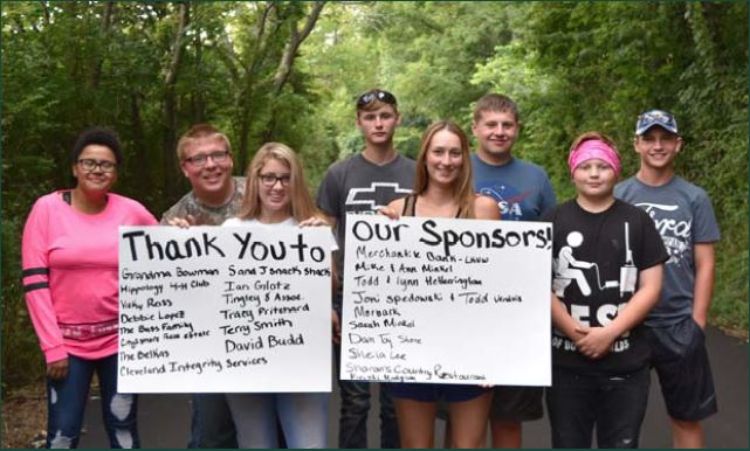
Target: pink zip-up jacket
70,274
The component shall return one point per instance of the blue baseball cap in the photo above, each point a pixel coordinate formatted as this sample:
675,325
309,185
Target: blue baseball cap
655,117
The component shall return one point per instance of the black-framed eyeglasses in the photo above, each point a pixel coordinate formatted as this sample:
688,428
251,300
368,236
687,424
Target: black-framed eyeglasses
218,156
90,165
376,94
270,180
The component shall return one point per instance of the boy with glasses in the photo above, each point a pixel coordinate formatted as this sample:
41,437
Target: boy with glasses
206,161
685,219
362,184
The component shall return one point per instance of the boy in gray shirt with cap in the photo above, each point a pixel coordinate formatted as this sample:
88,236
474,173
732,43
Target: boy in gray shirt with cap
685,220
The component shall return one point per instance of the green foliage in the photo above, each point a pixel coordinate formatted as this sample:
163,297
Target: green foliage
22,361
594,66
571,67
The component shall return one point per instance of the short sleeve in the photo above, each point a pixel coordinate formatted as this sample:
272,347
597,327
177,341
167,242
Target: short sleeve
548,214
333,245
549,200
705,227
328,198
652,247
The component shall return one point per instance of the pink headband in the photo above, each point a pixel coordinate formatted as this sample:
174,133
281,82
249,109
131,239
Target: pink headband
594,148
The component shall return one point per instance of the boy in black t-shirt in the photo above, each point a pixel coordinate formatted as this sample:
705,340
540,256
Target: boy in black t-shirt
608,262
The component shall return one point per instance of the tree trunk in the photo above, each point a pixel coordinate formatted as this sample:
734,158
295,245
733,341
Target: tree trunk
96,73
141,158
290,50
284,69
253,65
169,134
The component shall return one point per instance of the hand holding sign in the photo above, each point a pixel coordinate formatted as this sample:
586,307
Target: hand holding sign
224,309
447,300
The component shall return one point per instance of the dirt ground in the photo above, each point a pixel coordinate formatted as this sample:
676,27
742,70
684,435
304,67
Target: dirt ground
24,416
24,421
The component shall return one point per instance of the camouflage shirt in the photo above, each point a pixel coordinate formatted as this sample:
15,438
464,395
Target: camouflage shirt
204,214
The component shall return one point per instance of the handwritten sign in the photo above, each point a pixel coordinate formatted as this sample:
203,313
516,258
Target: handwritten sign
450,301
225,309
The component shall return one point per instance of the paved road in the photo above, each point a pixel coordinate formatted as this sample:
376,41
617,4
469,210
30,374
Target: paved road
165,419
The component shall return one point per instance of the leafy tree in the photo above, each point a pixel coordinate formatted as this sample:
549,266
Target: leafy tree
291,71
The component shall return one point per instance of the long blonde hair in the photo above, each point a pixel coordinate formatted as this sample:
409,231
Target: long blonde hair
301,204
463,187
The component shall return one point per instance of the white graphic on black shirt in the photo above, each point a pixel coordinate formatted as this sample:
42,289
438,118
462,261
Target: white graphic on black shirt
568,269
377,191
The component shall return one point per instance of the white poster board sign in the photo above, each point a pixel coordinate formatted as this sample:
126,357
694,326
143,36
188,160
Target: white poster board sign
225,309
450,301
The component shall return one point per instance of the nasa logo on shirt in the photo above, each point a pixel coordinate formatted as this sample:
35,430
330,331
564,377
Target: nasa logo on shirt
508,199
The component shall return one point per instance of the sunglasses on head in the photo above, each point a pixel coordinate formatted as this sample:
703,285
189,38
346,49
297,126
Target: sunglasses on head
376,94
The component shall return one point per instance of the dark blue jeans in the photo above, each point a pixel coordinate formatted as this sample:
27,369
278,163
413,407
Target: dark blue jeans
613,404
66,403
211,425
355,406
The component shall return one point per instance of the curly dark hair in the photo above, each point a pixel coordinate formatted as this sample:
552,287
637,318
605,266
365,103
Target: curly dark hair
97,135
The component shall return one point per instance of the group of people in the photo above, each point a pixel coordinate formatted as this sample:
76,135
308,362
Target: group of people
631,283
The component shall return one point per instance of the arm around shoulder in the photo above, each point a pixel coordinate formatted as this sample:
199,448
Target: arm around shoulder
329,196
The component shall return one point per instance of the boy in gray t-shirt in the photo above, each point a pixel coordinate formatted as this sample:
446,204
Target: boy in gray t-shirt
685,219
362,184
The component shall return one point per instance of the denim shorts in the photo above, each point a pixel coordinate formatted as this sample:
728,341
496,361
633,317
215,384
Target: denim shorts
435,392
678,353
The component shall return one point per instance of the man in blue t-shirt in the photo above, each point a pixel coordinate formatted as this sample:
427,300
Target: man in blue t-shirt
522,189
685,220
523,192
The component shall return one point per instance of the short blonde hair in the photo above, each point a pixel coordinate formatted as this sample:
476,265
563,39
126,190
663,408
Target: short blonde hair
301,205
200,131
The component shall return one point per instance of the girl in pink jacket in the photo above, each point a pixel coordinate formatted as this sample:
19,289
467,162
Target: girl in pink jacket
70,280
